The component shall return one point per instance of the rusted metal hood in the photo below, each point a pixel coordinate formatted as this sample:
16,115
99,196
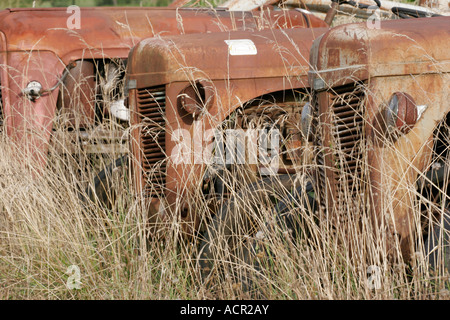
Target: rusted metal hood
118,29
222,56
397,47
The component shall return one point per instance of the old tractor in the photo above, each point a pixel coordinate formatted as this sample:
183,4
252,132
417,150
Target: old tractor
220,124
213,113
379,123
62,76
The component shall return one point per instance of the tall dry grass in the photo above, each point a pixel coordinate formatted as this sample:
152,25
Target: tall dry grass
46,227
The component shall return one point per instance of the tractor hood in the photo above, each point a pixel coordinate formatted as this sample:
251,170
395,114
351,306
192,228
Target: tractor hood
104,29
397,47
37,45
222,56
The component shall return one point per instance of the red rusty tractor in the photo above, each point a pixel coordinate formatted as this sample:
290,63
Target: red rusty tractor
62,76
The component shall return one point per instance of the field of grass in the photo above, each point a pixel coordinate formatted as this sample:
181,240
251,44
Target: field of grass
55,245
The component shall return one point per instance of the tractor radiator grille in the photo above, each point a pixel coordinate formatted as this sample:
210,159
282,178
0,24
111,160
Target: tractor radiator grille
348,136
345,159
151,108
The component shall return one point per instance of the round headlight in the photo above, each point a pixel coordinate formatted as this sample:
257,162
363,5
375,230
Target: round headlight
196,98
401,112
306,121
33,90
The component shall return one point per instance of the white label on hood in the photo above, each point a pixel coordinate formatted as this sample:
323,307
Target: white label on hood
241,47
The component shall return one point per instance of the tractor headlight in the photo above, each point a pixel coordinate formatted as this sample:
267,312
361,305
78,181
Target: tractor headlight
33,90
196,98
401,112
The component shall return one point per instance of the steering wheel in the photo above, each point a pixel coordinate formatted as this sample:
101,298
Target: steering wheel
406,13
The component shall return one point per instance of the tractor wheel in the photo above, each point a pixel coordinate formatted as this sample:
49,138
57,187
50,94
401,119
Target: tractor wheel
435,189
437,244
231,239
103,191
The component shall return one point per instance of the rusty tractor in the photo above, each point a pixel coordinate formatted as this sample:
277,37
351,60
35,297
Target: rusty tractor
196,102
62,77
182,88
379,123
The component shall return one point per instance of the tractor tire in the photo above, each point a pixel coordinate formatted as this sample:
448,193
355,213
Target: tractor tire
103,191
230,243
437,244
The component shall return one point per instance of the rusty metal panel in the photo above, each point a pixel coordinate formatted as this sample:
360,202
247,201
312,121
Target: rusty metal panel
119,29
370,52
264,54
38,45
78,95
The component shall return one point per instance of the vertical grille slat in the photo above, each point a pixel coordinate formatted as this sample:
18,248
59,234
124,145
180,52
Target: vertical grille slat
152,112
